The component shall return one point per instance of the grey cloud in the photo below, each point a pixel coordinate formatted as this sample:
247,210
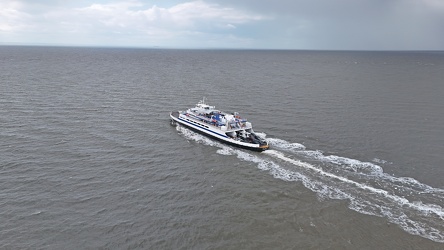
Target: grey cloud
353,24
286,24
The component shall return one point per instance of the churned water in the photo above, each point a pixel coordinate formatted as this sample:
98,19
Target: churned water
88,159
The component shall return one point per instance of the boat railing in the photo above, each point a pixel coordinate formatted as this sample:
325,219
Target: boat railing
206,120
235,124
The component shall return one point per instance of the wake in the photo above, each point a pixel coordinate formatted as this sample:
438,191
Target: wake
415,207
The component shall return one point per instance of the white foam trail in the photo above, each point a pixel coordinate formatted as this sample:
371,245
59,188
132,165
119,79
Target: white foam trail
321,172
225,151
349,164
428,218
376,160
415,217
284,144
402,201
356,166
346,163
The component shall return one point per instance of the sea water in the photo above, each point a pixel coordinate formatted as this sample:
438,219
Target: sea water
88,158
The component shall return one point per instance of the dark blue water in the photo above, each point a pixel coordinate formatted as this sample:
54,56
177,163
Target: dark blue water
88,158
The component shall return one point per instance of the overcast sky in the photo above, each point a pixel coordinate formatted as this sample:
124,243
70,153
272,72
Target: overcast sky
256,24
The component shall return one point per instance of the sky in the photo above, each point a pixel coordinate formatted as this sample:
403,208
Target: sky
232,24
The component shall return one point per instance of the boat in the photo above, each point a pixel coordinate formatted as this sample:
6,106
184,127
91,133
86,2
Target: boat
229,128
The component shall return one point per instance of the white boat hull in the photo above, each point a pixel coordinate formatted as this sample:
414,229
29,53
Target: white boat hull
213,132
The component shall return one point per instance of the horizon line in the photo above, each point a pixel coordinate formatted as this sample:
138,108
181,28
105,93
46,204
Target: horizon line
207,48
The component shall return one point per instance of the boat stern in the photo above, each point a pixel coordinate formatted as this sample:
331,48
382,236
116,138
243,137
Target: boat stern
264,147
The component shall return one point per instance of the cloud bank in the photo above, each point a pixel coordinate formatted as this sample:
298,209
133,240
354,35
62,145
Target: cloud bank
283,24
125,23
